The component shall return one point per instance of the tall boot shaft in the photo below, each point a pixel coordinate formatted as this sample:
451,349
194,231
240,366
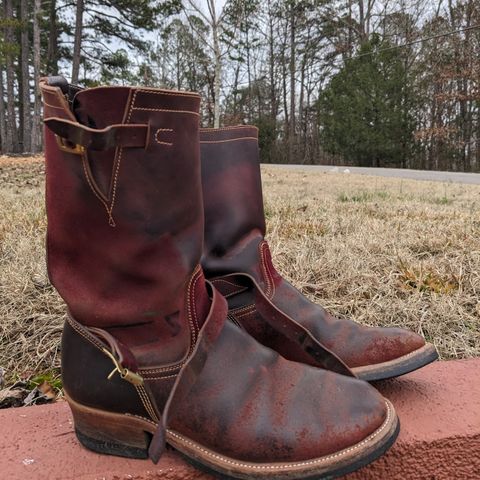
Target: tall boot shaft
124,204
233,201
235,247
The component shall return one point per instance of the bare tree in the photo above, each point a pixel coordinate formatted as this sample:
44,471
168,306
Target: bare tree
77,43
36,132
26,107
214,20
11,144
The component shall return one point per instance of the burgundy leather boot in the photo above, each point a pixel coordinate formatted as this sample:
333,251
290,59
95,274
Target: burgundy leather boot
238,262
148,355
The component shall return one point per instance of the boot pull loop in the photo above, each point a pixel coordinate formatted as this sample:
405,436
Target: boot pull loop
80,137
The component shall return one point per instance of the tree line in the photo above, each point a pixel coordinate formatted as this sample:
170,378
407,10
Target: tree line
360,82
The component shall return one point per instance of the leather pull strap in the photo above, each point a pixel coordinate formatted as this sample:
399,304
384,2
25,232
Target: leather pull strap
126,136
191,370
289,328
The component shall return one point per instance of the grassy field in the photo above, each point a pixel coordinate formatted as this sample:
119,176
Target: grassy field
381,251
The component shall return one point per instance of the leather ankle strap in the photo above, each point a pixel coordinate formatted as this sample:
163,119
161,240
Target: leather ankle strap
74,137
122,135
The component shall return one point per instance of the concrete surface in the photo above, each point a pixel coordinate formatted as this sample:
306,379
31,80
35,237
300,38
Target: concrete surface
432,176
439,409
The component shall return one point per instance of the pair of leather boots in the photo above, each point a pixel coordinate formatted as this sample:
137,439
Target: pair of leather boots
179,328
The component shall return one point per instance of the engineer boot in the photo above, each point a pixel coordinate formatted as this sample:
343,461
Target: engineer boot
148,355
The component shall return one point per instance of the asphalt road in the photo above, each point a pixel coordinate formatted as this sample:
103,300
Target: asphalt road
432,176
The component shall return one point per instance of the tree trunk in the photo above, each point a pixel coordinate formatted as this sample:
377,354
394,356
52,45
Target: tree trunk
12,134
291,130
218,67
25,44
77,43
36,133
52,48
3,126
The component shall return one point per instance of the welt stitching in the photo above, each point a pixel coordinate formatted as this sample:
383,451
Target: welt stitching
268,268
141,418
229,140
290,465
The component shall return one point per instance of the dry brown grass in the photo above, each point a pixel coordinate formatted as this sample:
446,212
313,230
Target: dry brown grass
382,251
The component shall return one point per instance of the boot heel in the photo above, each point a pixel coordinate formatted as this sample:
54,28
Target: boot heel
111,433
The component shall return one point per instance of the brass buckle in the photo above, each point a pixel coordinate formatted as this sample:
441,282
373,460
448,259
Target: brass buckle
68,147
125,373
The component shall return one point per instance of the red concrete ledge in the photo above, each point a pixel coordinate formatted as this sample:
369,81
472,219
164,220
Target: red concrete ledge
439,409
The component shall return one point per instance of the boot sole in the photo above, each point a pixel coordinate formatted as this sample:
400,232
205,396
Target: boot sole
399,366
129,436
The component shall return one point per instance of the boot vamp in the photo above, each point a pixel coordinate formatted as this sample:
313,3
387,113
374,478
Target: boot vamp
251,404
357,345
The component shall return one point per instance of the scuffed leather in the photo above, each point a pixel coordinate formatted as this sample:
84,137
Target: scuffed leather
251,404
125,226
234,243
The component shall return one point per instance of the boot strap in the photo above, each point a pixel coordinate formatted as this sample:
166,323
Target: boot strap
189,373
72,136
76,134
288,327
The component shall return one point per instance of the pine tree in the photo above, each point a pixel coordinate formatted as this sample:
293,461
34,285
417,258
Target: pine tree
364,112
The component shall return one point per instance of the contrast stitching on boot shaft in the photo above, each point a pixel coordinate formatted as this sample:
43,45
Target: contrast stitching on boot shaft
90,338
270,291
229,140
158,132
111,221
231,128
45,104
166,110
174,93
139,388
217,280
290,465
241,288
243,311
166,377
194,305
191,307
92,188
171,368
146,402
